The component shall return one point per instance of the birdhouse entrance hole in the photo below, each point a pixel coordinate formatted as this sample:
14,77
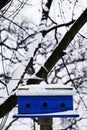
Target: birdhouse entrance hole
62,105
44,105
28,105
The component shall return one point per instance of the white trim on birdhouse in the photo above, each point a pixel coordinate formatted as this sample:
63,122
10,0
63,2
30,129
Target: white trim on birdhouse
72,113
45,90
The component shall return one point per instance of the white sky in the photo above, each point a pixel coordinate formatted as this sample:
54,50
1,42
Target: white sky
33,13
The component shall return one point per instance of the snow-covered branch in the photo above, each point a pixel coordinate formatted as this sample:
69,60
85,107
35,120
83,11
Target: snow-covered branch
10,103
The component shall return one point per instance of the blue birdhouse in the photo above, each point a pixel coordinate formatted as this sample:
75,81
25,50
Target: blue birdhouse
45,101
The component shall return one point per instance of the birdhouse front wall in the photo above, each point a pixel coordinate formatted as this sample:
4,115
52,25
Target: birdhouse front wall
44,104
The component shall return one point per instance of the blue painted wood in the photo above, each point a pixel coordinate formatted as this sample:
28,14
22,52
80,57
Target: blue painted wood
44,104
46,116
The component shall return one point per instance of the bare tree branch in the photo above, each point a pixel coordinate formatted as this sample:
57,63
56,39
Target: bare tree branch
44,32
45,9
10,103
11,124
3,3
58,52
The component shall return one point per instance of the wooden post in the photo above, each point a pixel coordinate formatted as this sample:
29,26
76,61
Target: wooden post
45,123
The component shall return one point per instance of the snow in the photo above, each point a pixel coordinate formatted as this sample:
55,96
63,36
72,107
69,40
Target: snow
21,67
56,114
51,89
35,15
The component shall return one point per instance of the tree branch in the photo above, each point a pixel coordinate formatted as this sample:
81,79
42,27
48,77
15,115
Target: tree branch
44,32
58,52
11,102
8,105
45,9
3,3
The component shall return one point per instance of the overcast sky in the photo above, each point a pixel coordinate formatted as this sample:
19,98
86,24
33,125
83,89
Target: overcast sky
33,13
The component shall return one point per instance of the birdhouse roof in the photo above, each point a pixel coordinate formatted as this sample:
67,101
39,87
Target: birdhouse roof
44,90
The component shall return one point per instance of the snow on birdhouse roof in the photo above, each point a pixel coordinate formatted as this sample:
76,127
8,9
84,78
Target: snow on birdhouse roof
44,90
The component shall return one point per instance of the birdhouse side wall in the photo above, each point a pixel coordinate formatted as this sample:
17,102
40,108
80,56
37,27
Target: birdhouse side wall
44,104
